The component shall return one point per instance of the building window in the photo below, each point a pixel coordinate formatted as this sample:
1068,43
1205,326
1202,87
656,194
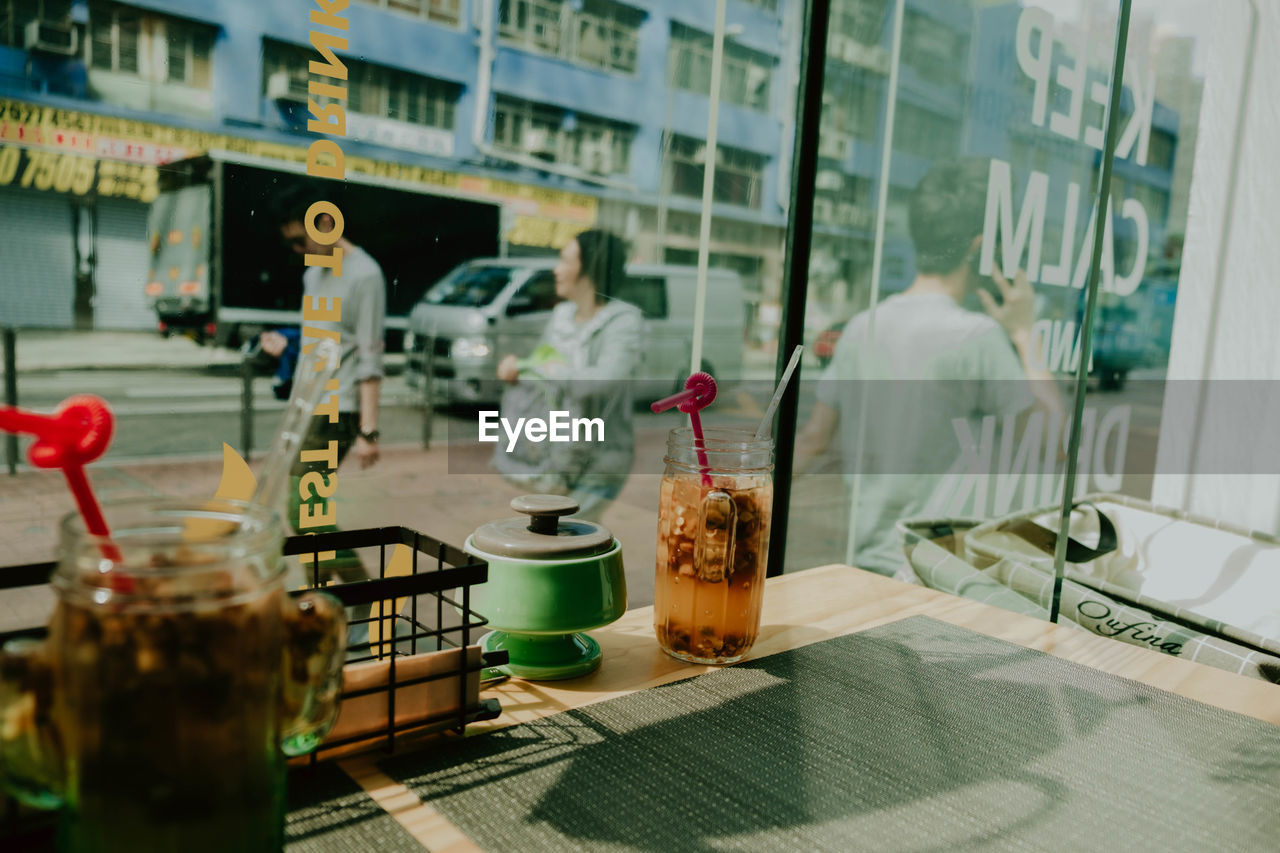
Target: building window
161,49
723,231
749,267
594,145
897,213
936,53
767,5
597,33
441,11
114,36
372,90
1160,150
16,14
860,20
744,79
739,174
1154,200
925,134
842,200
851,111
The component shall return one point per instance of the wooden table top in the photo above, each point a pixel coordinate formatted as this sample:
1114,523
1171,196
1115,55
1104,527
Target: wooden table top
799,609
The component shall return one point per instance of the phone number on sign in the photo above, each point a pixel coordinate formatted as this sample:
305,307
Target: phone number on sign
50,171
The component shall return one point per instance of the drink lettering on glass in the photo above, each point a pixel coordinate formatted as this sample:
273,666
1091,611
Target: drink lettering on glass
159,713
713,544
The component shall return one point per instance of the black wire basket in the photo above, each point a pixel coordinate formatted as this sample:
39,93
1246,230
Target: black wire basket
424,610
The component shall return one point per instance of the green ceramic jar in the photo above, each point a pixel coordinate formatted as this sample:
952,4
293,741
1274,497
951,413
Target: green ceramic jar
550,579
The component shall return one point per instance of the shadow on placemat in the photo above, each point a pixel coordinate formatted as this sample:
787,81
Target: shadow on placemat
328,812
913,736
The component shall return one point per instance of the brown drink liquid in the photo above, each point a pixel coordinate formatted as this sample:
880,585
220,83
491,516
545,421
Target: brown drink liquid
165,718
707,599
159,712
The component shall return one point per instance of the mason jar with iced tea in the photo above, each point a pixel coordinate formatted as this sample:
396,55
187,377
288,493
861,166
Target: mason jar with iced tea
177,676
714,512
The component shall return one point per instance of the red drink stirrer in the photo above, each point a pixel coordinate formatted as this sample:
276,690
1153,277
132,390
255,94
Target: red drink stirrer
699,392
70,439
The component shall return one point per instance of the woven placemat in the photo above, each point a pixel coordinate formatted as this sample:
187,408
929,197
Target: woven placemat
330,813
917,735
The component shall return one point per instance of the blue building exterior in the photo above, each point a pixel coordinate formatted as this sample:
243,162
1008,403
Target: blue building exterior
234,46
593,106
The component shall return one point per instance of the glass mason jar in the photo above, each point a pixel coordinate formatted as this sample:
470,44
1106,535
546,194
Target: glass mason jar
713,544
177,676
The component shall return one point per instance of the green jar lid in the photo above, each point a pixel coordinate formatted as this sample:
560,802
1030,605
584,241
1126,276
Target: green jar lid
544,534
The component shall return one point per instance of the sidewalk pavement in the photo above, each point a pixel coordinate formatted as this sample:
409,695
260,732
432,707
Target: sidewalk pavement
46,350
41,350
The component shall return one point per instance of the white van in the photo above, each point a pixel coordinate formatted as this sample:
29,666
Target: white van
484,309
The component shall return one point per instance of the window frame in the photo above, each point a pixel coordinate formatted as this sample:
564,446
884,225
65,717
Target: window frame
155,37
513,117
538,278
554,28
16,14
425,10
658,283
689,48
370,83
682,154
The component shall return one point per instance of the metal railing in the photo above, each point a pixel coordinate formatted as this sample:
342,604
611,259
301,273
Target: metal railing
10,336
250,412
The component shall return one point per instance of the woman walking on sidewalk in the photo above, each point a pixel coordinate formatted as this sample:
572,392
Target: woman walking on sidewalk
588,352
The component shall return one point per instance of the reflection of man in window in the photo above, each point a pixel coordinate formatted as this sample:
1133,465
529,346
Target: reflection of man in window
965,365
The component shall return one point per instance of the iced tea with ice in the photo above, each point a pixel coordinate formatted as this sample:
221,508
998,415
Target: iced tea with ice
713,545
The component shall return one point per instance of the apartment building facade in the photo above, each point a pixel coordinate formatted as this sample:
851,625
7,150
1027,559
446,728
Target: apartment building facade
570,112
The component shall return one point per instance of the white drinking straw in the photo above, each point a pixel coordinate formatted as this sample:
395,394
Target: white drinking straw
311,380
708,189
765,424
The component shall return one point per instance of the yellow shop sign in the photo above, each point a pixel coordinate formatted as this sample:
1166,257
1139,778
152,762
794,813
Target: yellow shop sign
79,153
50,171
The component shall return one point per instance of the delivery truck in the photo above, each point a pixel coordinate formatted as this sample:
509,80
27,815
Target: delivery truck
220,272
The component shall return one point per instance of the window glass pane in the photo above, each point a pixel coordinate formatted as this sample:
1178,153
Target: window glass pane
128,31
648,293
958,144
933,400
448,11
24,11
470,286
102,43
540,292
396,98
594,33
201,58
584,144
747,73
924,373
372,90
177,43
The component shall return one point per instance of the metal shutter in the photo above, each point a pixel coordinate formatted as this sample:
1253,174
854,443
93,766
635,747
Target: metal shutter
37,261
121,271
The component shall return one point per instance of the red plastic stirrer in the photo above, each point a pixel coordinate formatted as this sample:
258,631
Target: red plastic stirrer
70,439
699,392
